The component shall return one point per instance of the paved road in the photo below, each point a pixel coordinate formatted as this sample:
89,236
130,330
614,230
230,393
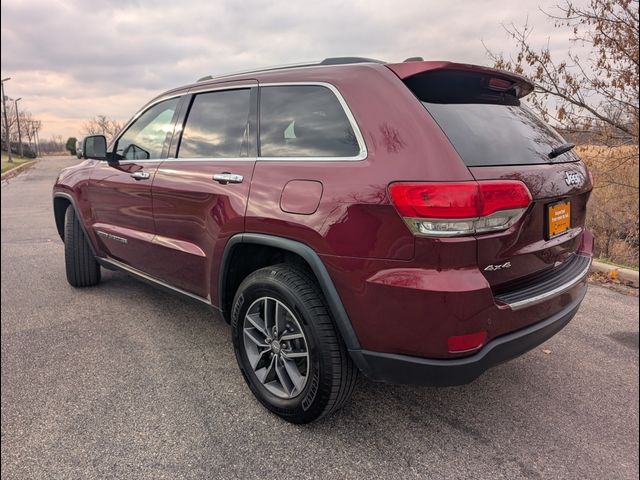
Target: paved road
124,381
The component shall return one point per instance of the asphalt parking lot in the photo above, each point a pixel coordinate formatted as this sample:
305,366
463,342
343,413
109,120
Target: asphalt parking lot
125,381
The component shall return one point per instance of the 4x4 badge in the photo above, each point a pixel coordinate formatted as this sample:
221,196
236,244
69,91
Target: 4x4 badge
500,266
572,178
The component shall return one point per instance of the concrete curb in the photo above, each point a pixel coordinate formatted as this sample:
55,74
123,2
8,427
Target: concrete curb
15,171
625,274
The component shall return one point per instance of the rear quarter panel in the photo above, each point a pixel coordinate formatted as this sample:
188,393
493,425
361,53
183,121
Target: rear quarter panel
355,217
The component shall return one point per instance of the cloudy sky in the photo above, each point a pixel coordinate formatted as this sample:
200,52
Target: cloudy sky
72,59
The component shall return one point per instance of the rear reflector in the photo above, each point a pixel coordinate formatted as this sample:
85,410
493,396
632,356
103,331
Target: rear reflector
463,208
465,343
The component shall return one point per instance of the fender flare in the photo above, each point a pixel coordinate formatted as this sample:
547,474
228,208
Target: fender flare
336,307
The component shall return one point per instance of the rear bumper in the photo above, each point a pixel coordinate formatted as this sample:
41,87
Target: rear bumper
404,369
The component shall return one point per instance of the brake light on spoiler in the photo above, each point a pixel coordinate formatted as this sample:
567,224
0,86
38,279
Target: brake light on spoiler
463,208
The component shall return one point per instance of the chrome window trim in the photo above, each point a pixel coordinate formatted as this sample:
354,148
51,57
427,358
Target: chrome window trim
213,88
345,108
362,155
209,159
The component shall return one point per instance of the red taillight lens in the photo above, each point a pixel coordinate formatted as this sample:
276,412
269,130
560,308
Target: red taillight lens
461,208
464,343
505,195
436,200
458,200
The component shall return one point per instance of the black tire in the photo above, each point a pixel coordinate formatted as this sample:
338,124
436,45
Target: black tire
81,266
331,374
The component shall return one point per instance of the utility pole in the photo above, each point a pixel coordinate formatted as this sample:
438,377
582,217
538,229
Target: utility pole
19,133
37,144
6,122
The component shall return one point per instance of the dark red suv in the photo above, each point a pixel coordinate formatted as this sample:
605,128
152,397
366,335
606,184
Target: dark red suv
413,221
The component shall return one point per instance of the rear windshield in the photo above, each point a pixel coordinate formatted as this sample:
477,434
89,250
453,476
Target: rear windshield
488,134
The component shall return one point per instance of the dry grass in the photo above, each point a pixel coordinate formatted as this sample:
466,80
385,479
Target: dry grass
613,208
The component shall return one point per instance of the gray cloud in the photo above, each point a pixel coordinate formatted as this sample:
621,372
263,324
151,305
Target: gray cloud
73,59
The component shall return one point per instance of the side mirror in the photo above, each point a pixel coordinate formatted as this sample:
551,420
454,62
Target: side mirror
95,147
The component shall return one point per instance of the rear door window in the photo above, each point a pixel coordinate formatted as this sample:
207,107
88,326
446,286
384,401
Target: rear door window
304,121
217,125
486,134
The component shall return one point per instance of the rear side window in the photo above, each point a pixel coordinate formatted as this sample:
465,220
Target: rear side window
487,134
217,126
304,121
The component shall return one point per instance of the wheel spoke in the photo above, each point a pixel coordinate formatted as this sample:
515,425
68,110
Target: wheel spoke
255,320
265,314
295,354
259,342
263,373
297,379
280,319
283,377
291,336
257,358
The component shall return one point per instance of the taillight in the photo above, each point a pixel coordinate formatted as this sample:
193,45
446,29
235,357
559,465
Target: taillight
464,208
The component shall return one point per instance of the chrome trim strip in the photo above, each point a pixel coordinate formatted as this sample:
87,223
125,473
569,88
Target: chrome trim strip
552,293
362,154
137,273
208,159
214,88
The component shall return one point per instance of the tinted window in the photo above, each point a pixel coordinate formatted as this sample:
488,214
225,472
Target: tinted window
146,136
487,134
217,125
304,121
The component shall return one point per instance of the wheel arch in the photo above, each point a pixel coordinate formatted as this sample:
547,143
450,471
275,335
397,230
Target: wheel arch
60,204
292,250
61,201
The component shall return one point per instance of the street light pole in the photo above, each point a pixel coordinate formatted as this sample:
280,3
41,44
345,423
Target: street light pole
18,121
6,122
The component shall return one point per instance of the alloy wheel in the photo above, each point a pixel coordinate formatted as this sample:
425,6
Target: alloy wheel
276,347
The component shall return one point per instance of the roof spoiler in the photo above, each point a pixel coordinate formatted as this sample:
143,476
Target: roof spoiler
513,82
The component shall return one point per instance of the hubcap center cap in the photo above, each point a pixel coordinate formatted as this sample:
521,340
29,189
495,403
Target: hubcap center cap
275,346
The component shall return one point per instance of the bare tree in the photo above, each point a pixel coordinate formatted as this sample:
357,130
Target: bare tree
594,97
102,125
597,91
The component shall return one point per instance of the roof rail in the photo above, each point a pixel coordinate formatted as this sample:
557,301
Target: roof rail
347,60
326,61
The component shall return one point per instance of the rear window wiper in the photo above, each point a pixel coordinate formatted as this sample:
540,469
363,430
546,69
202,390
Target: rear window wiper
559,150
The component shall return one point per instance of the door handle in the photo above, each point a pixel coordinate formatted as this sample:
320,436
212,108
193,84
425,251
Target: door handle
141,175
226,177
